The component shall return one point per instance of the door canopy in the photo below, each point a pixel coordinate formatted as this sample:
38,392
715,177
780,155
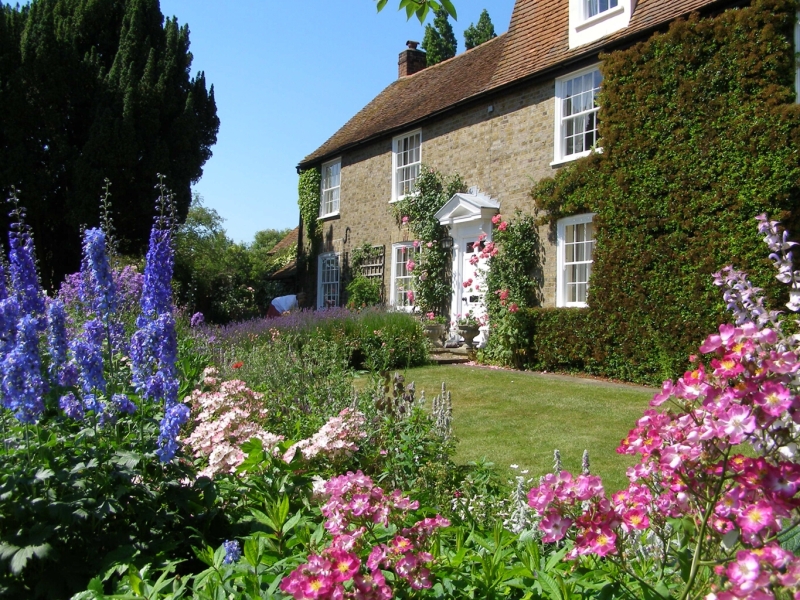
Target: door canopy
472,206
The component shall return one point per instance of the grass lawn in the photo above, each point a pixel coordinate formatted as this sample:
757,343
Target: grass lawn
514,417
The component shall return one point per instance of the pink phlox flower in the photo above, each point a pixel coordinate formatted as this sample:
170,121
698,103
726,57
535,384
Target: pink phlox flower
359,505
345,564
474,259
730,502
774,398
404,220
635,519
429,244
410,296
420,579
737,423
377,557
503,226
496,219
727,367
481,237
756,517
513,307
602,541
782,362
664,395
555,526
410,265
467,283
744,570
416,243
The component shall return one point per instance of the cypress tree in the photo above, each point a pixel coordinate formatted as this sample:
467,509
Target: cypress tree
439,42
475,35
95,90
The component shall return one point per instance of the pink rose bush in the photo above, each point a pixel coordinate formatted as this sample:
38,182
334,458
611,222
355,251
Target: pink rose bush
368,540
719,447
335,440
228,414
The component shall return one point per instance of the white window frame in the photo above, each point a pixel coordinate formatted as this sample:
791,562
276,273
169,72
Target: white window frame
396,151
325,256
411,252
585,28
559,145
333,190
561,266
797,58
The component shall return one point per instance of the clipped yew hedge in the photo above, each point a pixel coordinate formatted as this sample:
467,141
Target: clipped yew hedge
700,133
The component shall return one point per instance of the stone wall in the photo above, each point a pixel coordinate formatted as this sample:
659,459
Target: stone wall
502,144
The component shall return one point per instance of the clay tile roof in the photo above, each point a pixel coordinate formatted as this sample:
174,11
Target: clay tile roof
537,40
287,242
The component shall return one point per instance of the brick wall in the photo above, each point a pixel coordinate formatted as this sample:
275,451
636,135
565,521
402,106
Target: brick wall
502,151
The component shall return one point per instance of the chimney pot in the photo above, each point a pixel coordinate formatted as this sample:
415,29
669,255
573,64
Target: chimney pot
411,60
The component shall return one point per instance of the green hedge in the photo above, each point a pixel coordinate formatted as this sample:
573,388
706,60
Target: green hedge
700,133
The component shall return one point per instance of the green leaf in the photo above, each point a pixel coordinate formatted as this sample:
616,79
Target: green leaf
550,586
381,4
448,6
289,525
44,474
264,519
251,552
20,559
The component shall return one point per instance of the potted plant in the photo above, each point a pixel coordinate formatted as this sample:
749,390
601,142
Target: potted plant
469,327
434,327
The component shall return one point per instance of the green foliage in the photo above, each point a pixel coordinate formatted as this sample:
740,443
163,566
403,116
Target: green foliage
224,280
513,281
439,41
309,195
96,90
77,499
420,8
432,274
362,291
475,35
698,137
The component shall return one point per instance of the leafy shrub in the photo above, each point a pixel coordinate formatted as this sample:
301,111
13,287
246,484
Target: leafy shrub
363,292
698,138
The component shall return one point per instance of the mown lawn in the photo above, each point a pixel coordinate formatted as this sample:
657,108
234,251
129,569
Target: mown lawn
514,417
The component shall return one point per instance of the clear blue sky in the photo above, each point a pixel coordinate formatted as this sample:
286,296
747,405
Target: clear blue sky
287,75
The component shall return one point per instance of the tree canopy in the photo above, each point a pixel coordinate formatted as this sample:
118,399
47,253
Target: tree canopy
475,35
95,89
421,8
439,41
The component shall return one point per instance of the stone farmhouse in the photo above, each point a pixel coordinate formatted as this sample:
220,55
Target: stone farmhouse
503,115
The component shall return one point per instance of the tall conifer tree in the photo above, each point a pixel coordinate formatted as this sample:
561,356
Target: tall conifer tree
91,90
475,35
439,42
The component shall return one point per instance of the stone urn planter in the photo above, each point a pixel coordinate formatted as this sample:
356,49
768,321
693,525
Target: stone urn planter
469,333
435,333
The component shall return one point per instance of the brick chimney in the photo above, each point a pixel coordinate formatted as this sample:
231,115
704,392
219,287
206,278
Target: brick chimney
411,60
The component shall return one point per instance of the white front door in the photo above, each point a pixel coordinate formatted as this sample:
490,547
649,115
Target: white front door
469,287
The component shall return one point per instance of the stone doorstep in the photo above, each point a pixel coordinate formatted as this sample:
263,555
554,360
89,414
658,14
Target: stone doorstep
450,356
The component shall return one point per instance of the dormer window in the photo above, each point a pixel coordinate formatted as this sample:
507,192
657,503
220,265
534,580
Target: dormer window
590,20
595,7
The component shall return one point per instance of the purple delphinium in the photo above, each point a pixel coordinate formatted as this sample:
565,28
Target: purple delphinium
23,386
154,346
57,342
71,406
99,287
174,417
197,319
22,267
88,352
9,315
157,287
233,552
123,404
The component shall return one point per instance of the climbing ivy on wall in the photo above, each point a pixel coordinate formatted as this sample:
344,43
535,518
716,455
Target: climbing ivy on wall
700,133
432,277
308,189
